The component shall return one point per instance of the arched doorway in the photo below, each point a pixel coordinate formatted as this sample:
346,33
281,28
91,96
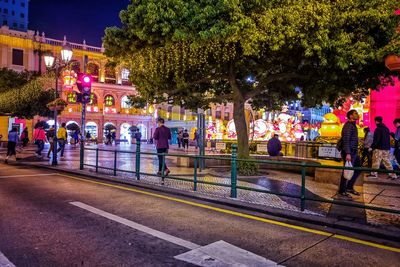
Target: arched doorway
143,130
91,127
125,133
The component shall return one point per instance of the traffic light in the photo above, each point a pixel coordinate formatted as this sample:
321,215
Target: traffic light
84,84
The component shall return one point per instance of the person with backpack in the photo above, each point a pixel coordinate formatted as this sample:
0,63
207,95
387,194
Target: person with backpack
13,138
185,138
25,137
39,137
348,146
51,134
381,149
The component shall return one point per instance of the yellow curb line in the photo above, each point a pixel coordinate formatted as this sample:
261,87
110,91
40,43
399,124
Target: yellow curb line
243,215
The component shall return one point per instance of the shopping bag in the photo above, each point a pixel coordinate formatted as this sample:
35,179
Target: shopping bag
348,174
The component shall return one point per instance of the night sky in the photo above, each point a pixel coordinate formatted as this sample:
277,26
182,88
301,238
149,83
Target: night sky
77,19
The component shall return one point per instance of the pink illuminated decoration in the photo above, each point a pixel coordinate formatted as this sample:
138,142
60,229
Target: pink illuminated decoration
386,103
86,79
397,12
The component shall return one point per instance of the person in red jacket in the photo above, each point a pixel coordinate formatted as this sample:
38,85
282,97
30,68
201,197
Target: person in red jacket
162,136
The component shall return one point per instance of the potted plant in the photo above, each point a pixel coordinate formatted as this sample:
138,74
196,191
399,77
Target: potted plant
58,104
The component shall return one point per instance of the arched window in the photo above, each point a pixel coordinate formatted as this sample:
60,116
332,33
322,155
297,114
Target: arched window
93,99
125,103
109,101
71,97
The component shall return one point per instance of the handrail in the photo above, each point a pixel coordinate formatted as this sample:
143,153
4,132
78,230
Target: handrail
233,185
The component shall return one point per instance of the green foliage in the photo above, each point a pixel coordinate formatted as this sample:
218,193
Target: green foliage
247,168
10,79
137,101
28,100
193,53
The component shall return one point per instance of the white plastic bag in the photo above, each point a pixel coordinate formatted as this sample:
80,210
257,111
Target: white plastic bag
348,174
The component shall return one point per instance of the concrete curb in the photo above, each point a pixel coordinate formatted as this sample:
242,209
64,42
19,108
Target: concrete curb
278,214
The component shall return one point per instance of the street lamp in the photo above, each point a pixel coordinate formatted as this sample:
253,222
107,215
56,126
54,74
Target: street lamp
56,64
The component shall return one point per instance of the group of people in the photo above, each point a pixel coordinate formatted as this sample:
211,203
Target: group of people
376,149
40,137
183,139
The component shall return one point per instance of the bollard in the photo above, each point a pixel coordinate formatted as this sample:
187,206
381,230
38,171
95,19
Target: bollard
195,175
115,162
303,187
234,171
97,159
137,165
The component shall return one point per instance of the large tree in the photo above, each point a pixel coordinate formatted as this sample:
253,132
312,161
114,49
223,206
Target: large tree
193,53
27,99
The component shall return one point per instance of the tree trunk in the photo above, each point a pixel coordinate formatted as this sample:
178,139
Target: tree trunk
239,118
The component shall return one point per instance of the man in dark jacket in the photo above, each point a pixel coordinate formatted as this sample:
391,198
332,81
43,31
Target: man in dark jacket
349,153
161,136
274,146
381,148
396,124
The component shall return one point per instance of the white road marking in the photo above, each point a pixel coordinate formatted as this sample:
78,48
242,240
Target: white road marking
145,229
4,262
218,253
28,175
221,253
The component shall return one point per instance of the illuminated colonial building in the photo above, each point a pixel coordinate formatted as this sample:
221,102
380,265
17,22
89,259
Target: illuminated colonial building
24,51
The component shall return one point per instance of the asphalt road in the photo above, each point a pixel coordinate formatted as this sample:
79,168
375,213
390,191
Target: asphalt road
42,223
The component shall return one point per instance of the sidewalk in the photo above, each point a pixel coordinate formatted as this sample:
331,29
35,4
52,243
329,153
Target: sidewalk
384,194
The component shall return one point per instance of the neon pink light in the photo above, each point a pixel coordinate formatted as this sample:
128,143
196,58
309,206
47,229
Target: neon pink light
86,79
386,103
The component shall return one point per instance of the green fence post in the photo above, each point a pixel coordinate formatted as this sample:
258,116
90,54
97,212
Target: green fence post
97,159
137,165
163,168
234,171
115,162
303,187
195,175
81,155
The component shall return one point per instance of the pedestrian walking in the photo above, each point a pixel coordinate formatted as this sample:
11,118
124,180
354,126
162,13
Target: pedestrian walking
75,136
185,138
180,138
39,137
196,139
13,138
274,146
62,139
25,137
381,148
108,139
138,136
161,136
349,152
51,138
396,152
367,150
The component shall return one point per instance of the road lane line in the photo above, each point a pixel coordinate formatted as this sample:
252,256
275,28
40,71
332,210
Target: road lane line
224,253
28,175
145,229
4,262
243,215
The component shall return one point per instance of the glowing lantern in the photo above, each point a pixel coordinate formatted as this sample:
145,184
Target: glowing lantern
69,78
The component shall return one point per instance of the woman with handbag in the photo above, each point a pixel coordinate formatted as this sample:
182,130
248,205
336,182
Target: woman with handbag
39,137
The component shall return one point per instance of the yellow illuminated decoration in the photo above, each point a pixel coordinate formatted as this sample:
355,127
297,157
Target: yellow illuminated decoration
331,127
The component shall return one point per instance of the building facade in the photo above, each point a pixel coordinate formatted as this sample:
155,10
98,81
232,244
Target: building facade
108,108
14,14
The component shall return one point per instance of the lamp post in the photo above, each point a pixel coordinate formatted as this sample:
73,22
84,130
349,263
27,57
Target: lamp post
57,64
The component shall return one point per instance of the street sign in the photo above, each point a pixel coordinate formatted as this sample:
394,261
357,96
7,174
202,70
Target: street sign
262,148
220,146
328,152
